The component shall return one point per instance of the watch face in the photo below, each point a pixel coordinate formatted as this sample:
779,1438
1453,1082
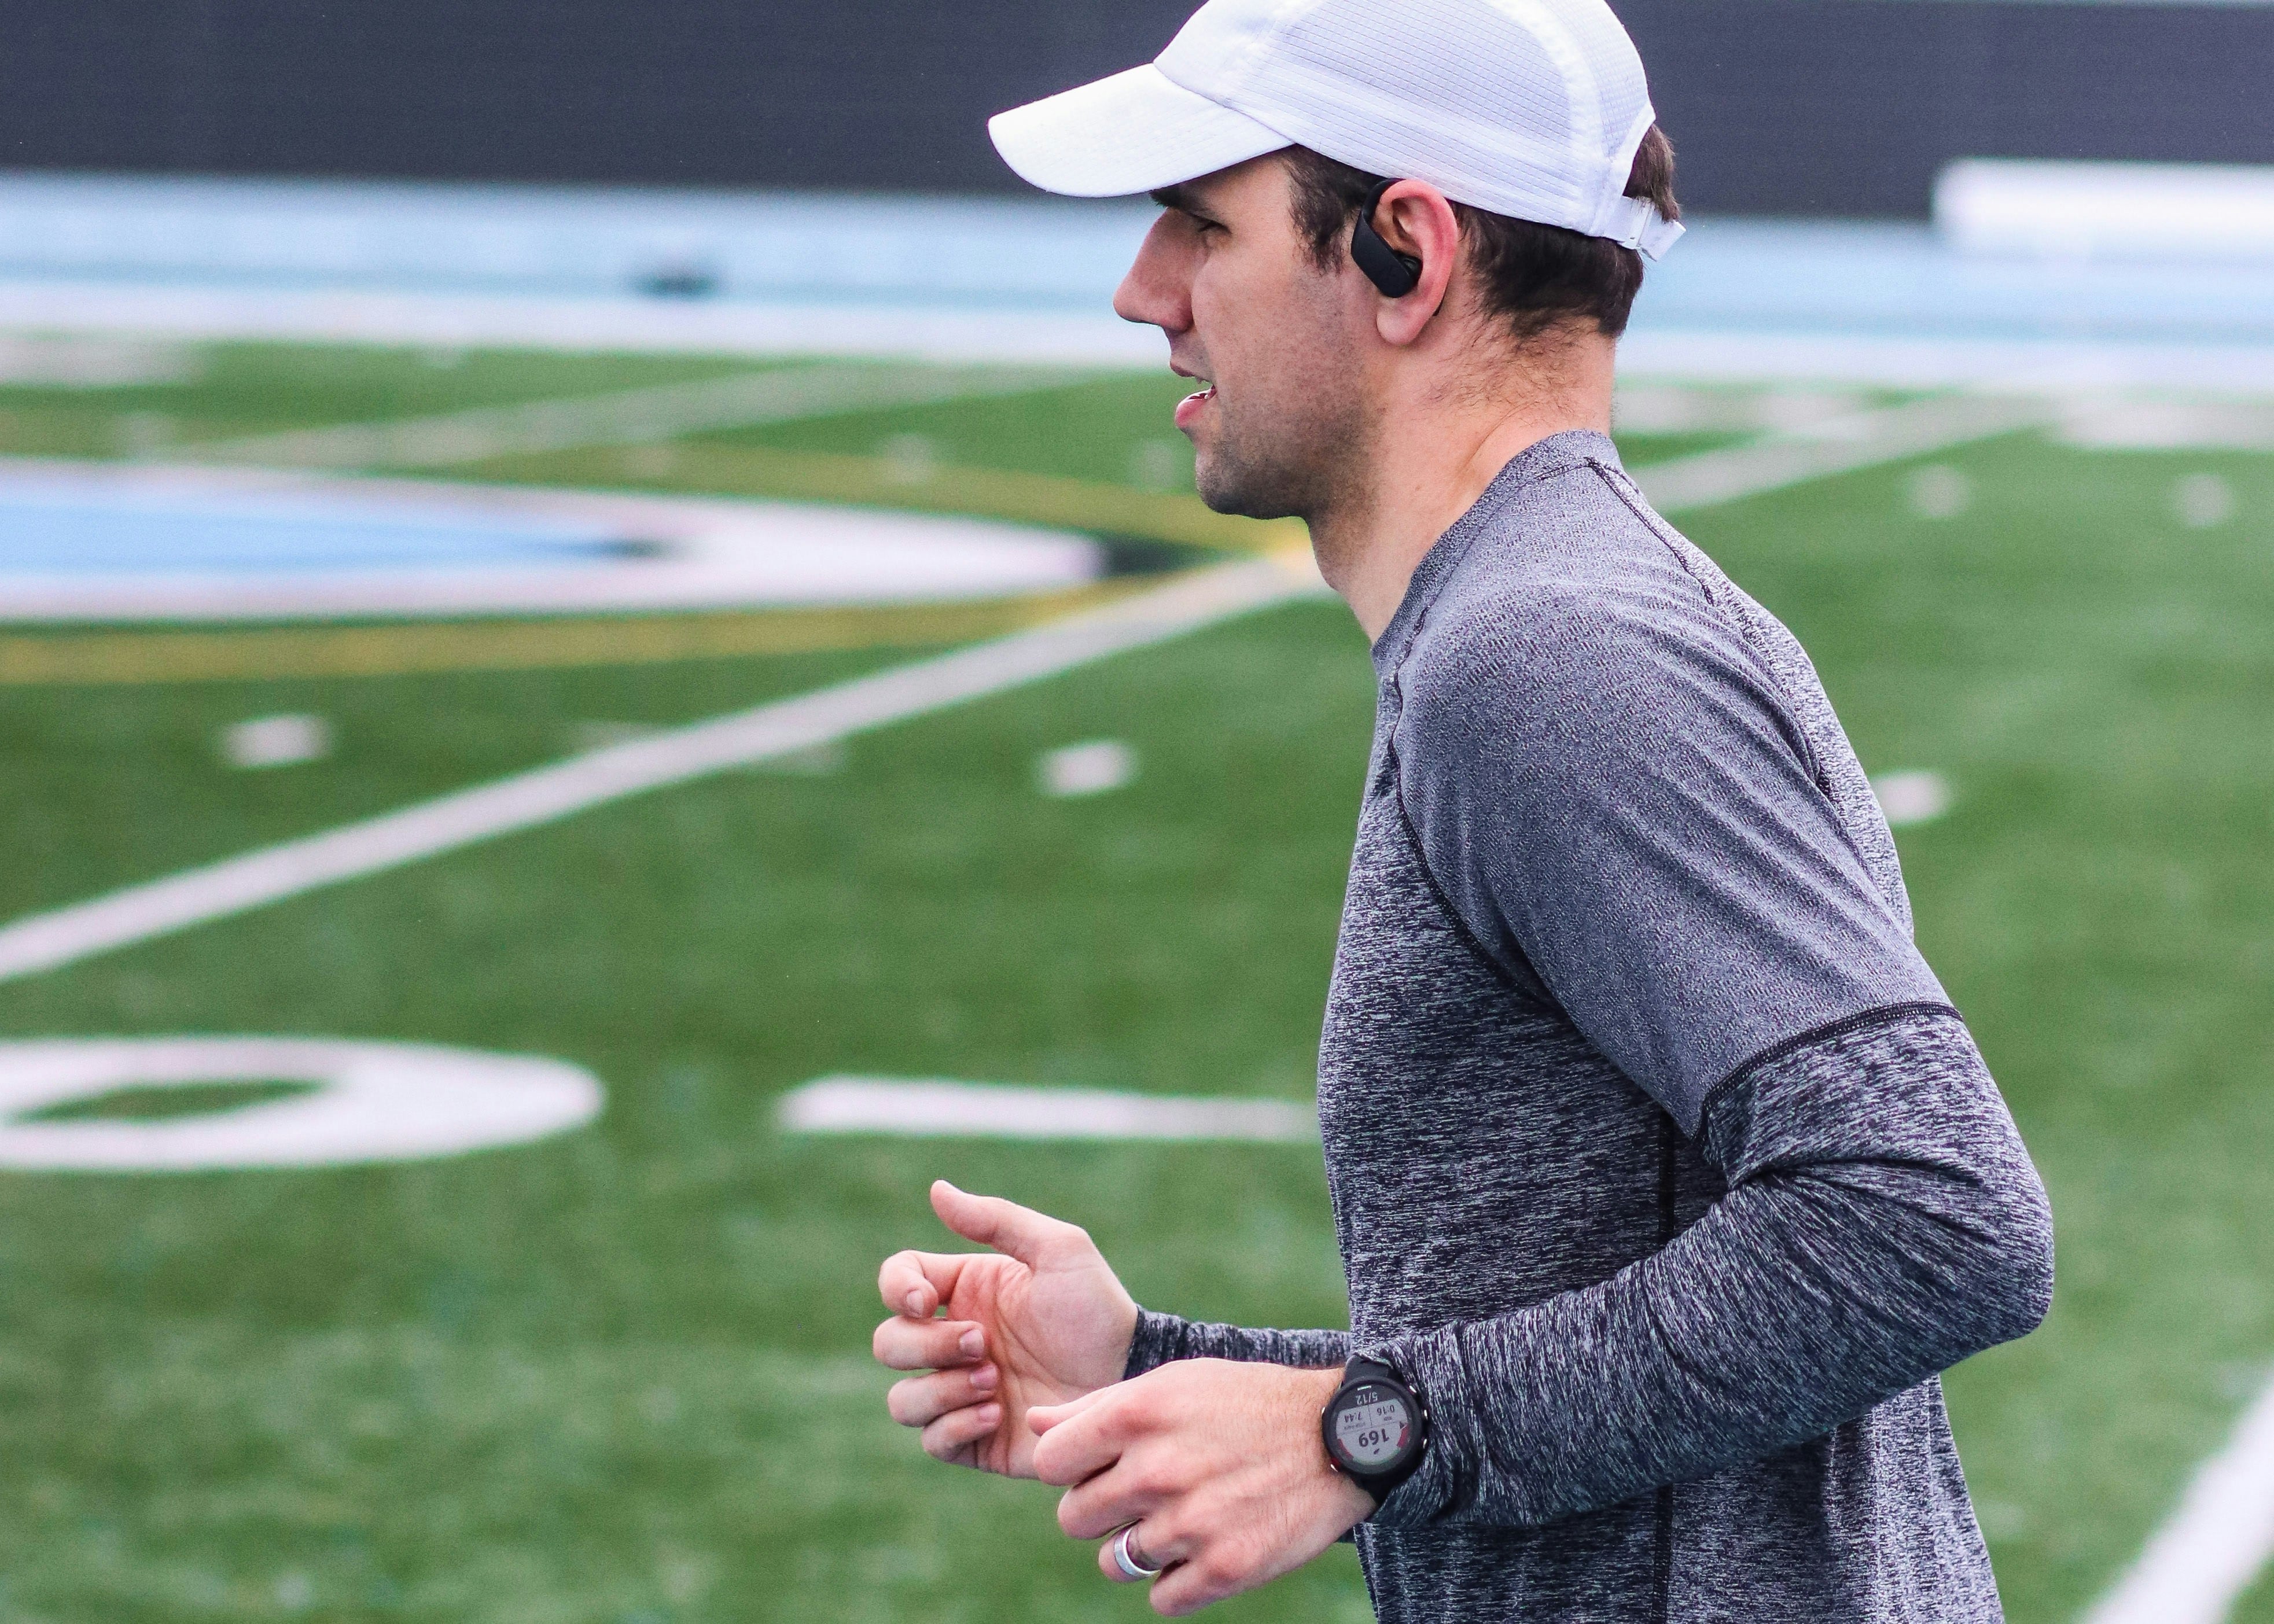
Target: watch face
1371,1427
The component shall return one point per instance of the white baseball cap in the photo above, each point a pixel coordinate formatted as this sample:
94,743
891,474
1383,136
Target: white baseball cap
1531,109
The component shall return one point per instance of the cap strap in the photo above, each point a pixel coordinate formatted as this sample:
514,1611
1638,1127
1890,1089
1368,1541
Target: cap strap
1635,223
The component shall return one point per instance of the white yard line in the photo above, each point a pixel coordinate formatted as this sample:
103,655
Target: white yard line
2214,1544
766,329
239,884
1838,445
757,330
937,1109
545,794
631,417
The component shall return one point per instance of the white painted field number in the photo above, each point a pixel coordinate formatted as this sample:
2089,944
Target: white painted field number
361,1103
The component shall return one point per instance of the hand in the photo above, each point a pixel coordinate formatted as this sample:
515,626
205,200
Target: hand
1220,1466
1048,1323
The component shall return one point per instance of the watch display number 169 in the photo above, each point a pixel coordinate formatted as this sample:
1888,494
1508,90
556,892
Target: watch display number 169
1372,1427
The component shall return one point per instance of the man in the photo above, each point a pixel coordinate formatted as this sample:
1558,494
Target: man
1665,1179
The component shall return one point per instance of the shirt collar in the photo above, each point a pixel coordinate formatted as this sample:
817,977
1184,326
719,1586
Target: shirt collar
1529,466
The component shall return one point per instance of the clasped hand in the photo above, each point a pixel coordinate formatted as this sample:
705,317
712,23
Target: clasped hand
1219,1464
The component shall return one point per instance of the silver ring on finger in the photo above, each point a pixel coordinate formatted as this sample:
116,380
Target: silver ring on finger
1129,1559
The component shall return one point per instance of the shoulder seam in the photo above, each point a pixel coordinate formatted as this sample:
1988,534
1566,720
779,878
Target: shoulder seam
1661,530
1651,521
1887,1014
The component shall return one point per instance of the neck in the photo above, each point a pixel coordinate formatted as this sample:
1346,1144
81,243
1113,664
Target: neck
1438,440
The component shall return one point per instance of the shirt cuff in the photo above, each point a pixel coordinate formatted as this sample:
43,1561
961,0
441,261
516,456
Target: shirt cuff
1160,1340
1431,1365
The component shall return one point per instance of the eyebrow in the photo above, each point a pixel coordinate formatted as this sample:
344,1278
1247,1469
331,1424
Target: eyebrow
1183,197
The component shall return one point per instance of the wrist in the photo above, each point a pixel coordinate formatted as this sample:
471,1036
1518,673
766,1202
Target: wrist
1316,1390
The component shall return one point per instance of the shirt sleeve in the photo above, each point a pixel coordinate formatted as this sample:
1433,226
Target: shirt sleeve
1882,1223
1161,1338
1619,808
1621,812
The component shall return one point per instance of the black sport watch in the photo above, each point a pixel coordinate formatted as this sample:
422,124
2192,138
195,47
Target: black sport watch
1375,1427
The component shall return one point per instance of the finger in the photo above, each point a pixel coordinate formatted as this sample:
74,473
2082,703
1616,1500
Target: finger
1042,1418
1154,1548
1188,1587
901,1343
917,1282
954,1436
922,1400
1113,1499
1080,1446
1021,1231
1197,1570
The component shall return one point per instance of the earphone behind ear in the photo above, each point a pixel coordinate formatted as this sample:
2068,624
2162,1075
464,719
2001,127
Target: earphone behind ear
1396,275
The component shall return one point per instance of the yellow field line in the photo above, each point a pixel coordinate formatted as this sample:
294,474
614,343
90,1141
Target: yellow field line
237,654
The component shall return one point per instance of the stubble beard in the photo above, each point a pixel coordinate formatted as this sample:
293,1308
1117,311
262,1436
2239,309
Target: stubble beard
1278,461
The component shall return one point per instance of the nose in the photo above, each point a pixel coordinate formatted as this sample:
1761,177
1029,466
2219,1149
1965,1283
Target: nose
1158,288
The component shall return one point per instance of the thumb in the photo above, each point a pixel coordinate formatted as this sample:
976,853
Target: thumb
1020,1231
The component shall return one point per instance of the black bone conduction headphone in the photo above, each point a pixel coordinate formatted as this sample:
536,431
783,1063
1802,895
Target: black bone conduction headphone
1396,275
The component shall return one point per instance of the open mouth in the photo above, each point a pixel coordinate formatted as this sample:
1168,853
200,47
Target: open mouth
1189,407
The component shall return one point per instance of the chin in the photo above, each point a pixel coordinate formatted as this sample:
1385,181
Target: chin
1241,493
1220,487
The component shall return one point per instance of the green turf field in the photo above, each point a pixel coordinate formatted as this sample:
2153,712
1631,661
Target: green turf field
621,1377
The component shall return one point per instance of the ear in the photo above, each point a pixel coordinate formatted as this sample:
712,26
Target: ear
1417,219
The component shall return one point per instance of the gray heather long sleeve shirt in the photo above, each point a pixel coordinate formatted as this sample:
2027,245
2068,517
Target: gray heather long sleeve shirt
1660,1162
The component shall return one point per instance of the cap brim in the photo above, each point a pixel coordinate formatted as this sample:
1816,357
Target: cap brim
1133,132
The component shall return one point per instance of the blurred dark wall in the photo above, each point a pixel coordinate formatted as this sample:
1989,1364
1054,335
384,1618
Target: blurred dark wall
1778,106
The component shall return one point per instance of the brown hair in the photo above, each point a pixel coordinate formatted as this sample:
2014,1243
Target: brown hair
1531,276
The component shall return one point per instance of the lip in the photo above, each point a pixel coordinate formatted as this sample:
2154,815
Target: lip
1189,408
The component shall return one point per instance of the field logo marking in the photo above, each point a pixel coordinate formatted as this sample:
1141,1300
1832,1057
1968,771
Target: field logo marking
369,1103
175,544
935,1107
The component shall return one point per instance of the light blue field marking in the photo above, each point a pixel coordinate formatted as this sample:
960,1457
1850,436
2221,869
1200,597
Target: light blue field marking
62,528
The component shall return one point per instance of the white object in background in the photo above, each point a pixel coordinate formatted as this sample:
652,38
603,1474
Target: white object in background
2151,422
81,361
929,1108
1907,798
276,741
1939,491
1090,769
2202,500
2107,211
909,459
1663,408
369,1103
